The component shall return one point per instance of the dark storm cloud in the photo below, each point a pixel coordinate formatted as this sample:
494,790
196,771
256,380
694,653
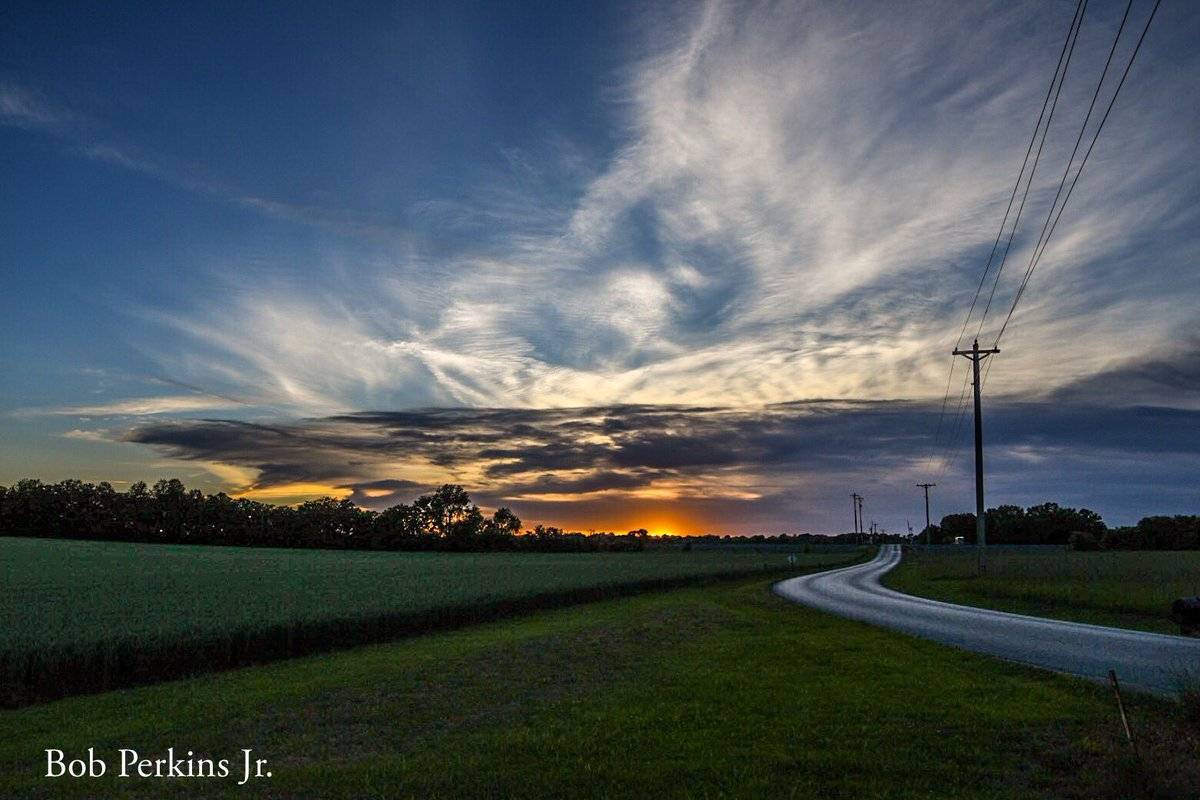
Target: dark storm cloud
616,447
1171,378
518,445
285,453
603,480
555,455
384,492
1129,431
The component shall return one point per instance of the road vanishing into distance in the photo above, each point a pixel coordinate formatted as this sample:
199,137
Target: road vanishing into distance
1150,662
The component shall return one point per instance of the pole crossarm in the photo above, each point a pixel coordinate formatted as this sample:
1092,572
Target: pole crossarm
975,354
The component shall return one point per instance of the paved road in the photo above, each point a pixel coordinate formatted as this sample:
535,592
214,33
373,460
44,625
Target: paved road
1151,662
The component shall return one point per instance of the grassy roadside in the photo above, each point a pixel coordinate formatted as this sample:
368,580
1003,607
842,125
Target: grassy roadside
722,691
1121,589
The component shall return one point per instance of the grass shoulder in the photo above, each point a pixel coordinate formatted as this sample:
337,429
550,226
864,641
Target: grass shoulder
1125,589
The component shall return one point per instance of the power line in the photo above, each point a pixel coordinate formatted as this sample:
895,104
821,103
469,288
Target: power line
1047,227
1062,79
1068,46
954,432
1082,129
1053,216
937,431
1037,255
1064,53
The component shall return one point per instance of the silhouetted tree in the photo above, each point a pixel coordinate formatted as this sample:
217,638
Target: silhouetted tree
1180,532
1050,523
955,525
1007,524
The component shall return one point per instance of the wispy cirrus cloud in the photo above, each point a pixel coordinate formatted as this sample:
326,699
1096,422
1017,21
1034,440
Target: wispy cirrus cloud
801,209
25,108
138,406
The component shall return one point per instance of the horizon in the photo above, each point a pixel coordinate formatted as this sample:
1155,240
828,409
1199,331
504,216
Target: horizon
365,503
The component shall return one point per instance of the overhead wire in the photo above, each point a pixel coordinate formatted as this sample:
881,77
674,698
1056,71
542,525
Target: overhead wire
1044,241
1064,57
1055,212
1062,79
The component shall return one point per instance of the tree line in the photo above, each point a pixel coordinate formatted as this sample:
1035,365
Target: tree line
1082,529
168,512
446,519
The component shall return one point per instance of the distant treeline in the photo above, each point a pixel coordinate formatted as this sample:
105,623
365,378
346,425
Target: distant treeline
168,512
446,520
1050,523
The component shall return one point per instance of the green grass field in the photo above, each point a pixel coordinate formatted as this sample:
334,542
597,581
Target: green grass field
719,691
82,616
1122,588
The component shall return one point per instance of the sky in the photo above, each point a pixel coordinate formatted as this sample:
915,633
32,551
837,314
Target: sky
693,267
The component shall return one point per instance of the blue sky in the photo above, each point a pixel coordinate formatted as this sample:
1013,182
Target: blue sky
594,261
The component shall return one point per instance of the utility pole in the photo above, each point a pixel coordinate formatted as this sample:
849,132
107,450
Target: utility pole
861,525
928,532
976,356
854,498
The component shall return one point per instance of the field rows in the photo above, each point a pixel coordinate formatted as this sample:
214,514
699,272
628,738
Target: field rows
85,616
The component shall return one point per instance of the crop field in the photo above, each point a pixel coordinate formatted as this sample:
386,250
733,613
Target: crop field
80,616
1131,589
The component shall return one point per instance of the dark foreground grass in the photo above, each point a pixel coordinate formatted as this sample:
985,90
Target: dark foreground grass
79,617
1120,588
722,691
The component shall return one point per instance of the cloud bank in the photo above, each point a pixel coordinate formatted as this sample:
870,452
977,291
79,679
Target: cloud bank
609,463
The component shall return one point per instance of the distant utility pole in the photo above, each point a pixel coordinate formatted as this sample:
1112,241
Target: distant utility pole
928,532
854,501
976,356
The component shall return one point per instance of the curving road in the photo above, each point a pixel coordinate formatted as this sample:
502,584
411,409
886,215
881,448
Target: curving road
1150,662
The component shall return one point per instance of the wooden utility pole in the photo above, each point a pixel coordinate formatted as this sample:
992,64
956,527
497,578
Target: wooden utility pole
854,498
862,526
928,532
976,356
